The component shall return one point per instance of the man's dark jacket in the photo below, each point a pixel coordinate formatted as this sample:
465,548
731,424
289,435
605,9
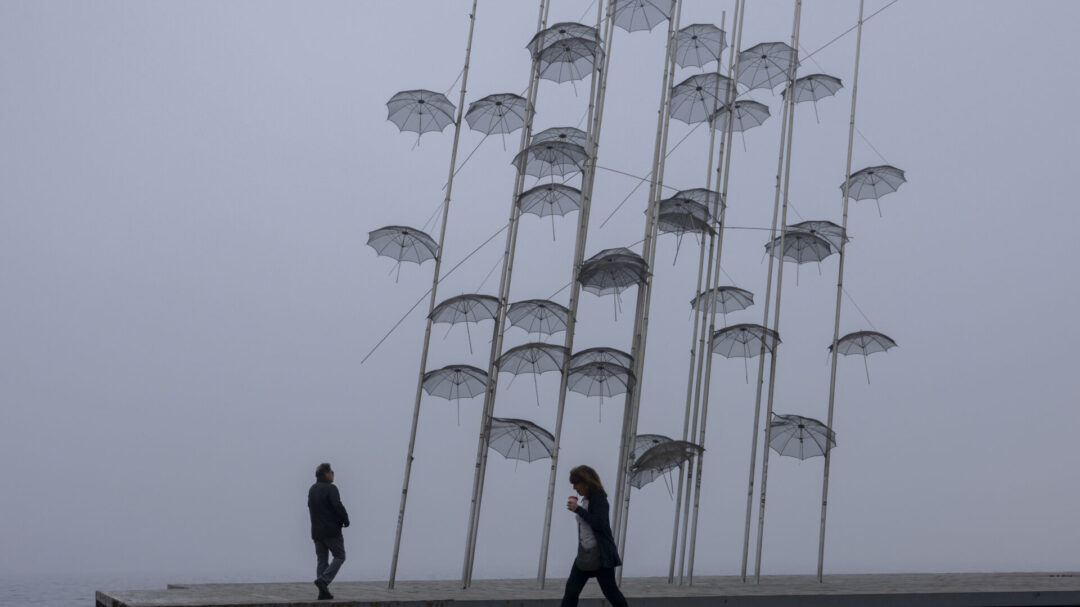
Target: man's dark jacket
597,518
328,516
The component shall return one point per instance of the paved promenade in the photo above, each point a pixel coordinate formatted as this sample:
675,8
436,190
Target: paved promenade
893,590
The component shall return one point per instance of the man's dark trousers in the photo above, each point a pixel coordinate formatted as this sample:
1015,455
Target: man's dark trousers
325,571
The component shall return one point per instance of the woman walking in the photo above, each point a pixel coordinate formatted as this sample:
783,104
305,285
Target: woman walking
597,555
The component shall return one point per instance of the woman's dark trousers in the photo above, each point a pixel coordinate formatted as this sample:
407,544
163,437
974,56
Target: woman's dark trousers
606,578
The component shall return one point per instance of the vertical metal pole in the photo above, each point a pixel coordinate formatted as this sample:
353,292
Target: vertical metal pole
685,469
595,116
626,439
839,295
761,358
729,130
641,316
500,317
431,302
790,99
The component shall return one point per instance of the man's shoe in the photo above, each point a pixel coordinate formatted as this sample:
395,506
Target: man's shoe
324,592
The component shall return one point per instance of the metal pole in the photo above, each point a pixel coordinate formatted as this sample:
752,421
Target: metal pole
698,351
595,114
620,486
785,115
641,317
839,295
500,317
431,302
790,99
729,130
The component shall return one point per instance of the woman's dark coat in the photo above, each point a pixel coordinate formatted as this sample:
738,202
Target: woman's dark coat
597,518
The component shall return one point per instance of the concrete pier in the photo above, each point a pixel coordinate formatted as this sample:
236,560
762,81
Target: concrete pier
877,590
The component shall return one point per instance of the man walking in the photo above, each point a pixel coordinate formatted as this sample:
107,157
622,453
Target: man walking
328,516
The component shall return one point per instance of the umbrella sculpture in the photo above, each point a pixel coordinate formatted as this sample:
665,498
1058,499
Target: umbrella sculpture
765,65
661,458
744,341
635,15
864,343
874,182
601,354
611,271
558,32
520,439
534,358
568,134
708,198
698,97
681,215
698,44
497,114
402,243
826,230
551,158
745,115
455,382
723,300
420,111
550,199
798,436
601,379
568,59
467,309
538,316
813,87
800,247
644,442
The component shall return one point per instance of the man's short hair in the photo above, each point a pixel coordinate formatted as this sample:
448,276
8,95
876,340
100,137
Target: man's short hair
321,471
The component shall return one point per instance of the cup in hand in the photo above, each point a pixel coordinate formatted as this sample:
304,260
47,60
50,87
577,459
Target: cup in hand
571,502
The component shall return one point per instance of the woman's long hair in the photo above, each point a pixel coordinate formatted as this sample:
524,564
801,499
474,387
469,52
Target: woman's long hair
585,474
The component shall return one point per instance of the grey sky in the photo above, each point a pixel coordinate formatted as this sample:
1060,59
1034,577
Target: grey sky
185,194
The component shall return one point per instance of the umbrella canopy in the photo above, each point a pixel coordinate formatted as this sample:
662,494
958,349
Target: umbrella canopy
660,459
864,343
532,358
743,341
723,300
798,436
698,97
644,442
874,182
520,439
765,65
568,59
403,244
814,87
681,215
497,114
559,32
636,15
420,111
601,354
698,44
538,316
707,198
800,247
551,159
826,230
611,271
550,199
566,134
746,114
466,308
600,379
455,382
